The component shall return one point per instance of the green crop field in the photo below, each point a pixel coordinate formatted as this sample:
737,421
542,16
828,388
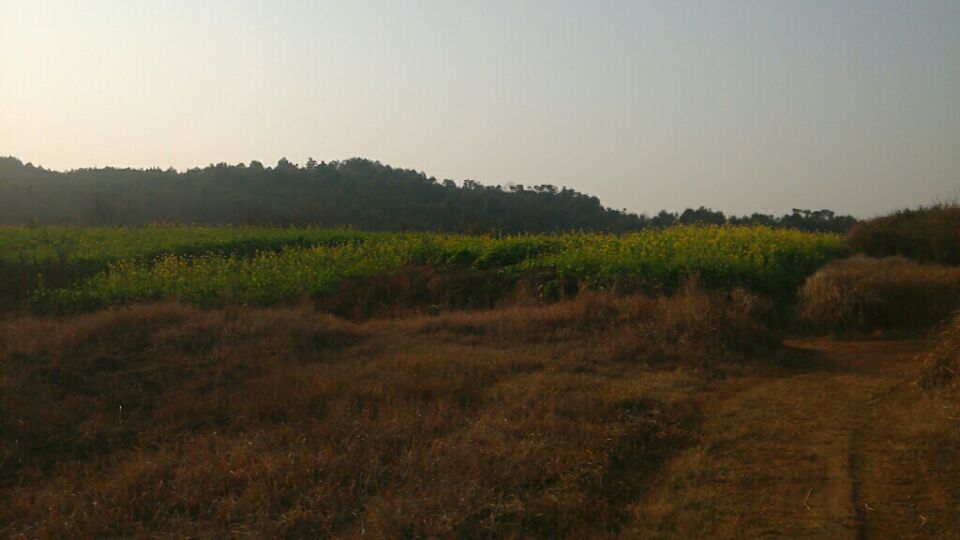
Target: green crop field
63,269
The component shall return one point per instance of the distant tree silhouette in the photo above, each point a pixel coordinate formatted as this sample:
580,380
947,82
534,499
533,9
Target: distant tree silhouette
356,192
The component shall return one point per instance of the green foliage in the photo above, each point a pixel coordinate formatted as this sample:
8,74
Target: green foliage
211,266
358,193
59,257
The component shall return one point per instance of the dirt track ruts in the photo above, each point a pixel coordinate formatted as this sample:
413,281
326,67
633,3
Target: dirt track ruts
839,444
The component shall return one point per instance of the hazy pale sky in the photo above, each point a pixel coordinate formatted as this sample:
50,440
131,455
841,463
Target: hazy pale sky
739,105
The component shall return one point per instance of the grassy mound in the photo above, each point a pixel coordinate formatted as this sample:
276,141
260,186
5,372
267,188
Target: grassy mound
693,327
941,367
866,295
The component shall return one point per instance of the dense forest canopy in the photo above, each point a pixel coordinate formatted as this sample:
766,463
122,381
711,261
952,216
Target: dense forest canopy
356,192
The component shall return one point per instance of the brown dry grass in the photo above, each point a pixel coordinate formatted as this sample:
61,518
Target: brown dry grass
891,295
941,366
523,422
694,327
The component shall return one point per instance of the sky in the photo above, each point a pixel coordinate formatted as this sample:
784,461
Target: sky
741,106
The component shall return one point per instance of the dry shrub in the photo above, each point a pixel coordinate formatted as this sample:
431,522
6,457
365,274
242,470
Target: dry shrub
862,295
291,423
926,234
941,366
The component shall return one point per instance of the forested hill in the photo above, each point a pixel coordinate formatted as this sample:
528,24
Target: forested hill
358,193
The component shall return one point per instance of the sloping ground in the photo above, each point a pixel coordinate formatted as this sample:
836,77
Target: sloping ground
600,417
842,445
528,422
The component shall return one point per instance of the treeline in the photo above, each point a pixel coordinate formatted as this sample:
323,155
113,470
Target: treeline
357,193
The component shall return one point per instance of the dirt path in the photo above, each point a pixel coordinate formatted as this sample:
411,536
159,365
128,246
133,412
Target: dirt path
838,445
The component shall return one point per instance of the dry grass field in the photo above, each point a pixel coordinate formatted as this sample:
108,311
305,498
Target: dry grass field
381,410
521,422
596,417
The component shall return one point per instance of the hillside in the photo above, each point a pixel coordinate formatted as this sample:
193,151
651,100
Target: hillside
358,193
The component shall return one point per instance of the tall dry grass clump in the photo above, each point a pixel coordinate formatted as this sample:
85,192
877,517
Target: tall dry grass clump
170,421
866,295
692,327
929,234
941,366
